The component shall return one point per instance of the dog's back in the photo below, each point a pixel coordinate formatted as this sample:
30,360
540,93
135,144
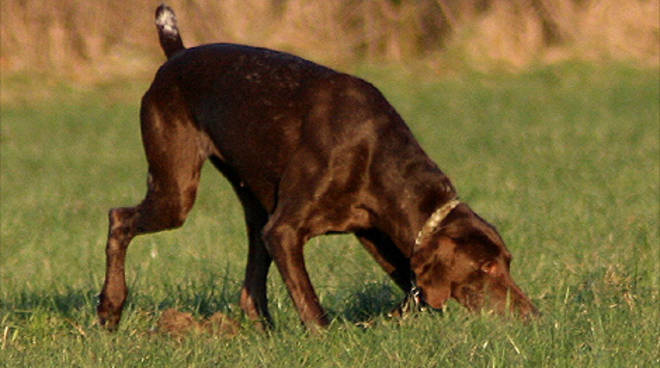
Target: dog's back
275,101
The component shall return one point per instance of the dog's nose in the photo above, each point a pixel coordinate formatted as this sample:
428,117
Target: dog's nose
522,305
528,311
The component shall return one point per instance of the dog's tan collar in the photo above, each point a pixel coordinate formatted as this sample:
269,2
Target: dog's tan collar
435,219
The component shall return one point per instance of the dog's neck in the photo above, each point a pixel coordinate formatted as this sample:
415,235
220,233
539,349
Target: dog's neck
422,195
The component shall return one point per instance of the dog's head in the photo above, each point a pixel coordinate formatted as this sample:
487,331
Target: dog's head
465,258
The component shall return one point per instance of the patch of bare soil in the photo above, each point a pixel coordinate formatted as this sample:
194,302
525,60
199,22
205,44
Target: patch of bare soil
175,323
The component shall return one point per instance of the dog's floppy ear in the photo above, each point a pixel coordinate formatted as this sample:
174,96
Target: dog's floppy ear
431,262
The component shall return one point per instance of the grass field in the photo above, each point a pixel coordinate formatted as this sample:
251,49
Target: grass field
563,160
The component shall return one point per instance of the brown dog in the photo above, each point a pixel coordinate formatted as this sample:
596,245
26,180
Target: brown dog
309,151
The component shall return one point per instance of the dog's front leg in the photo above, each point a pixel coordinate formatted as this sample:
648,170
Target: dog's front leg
285,244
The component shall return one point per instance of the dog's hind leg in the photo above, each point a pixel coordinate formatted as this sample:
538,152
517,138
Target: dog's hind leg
175,152
253,294
254,301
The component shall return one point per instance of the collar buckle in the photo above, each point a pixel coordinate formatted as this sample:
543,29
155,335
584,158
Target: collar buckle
413,303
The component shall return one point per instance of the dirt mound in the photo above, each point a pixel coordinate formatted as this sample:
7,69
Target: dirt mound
176,323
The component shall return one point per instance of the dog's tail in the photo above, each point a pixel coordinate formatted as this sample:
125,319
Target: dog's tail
168,32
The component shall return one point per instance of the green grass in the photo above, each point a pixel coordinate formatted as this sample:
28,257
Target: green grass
563,160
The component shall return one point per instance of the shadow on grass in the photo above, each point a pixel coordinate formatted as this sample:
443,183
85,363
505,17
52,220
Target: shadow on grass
200,297
67,302
370,301
220,293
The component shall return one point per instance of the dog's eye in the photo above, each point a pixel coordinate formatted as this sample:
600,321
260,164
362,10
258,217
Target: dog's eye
489,267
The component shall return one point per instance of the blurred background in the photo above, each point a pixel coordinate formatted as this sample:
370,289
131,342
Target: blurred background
92,41
544,113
